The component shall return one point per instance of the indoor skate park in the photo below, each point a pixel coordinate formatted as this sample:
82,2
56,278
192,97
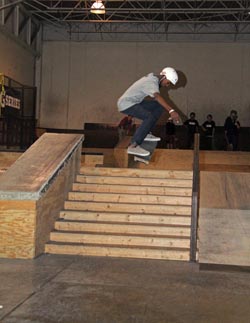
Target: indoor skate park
87,233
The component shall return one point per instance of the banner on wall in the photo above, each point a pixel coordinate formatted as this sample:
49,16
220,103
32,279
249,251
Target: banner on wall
11,101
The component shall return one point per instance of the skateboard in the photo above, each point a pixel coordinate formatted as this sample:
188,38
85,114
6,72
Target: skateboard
149,146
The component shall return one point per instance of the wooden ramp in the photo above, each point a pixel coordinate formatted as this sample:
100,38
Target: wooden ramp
126,213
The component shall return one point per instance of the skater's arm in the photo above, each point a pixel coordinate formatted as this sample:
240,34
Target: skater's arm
167,107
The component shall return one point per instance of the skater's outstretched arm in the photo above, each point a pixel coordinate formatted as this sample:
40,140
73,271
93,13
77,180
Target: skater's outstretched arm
167,107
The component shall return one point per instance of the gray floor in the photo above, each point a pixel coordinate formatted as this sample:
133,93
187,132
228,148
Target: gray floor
90,289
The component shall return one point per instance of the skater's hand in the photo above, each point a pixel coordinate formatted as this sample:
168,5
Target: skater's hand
175,116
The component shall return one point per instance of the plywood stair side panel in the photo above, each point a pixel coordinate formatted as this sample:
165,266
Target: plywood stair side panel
126,213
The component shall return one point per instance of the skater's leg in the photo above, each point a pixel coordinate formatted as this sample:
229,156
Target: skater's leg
147,111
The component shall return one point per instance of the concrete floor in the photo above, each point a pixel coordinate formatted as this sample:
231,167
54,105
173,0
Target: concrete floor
110,290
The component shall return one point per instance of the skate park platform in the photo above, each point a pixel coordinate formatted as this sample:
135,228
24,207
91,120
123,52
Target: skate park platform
33,190
224,216
182,159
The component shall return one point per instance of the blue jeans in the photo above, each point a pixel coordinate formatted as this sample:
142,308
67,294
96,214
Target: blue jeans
147,111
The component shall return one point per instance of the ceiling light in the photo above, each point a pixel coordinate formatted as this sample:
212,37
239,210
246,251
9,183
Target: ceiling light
98,8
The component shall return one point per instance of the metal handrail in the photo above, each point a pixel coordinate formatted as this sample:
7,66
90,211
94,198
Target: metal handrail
195,199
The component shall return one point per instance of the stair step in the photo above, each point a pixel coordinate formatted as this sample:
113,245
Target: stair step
125,207
119,212
112,227
123,240
126,172
112,251
125,217
135,189
131,181
129,198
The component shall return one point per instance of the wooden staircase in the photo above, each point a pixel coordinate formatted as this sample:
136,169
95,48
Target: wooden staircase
121,212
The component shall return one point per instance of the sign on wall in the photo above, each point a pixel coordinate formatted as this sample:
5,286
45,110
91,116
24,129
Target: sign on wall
11,101
10,98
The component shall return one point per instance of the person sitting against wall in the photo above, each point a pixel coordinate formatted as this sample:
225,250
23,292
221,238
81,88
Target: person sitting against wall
209,129
125,126
232,129
192,126
170,134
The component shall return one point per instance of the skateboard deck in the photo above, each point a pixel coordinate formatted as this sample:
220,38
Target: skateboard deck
149,146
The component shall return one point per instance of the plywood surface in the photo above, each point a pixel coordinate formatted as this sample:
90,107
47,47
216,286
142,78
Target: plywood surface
25,225
209,160
135,173
119,239
108,155
182,159
224,237
17,229
225,190
224,218
170,159
50,204
92,160
37,166
111,251
225,157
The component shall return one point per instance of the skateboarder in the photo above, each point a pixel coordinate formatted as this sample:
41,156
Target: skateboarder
142,100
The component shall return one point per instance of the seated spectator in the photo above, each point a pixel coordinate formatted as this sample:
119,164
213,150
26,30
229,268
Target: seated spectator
209,129
170,134
232,129
192,127
125,127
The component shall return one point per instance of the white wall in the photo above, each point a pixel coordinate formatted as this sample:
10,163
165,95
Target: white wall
81,82
16,61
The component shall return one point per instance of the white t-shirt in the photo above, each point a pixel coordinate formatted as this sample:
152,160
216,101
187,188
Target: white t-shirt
146,86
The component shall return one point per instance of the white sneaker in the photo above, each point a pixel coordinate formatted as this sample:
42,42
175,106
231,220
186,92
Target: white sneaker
142,160
151,137
139,151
